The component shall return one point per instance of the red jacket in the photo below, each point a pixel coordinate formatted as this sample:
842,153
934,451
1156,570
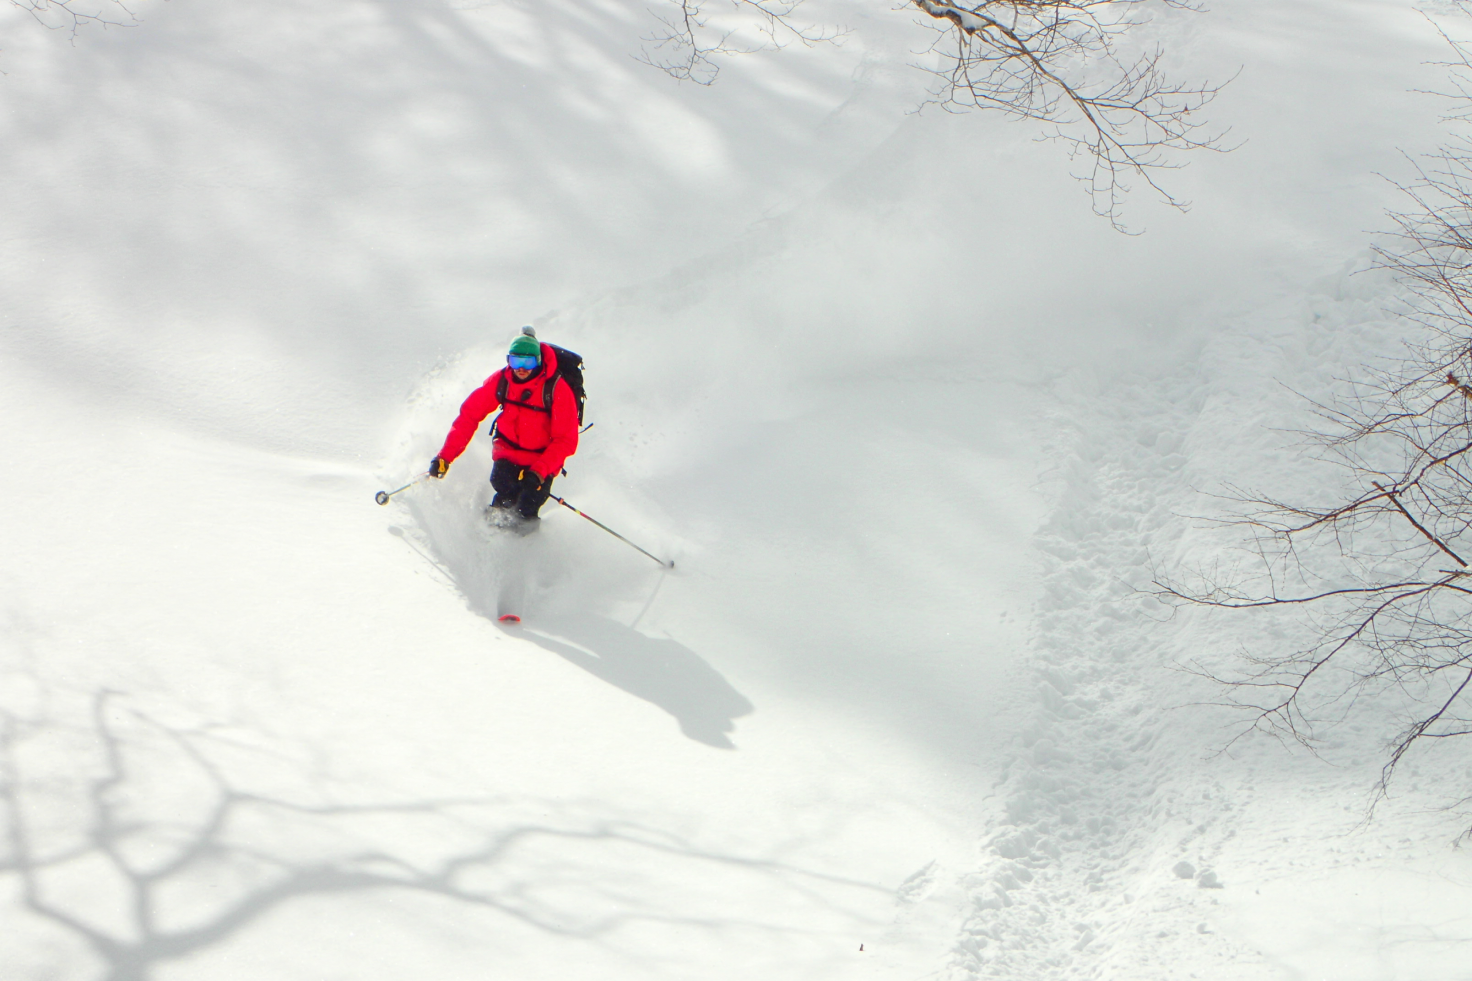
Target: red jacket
526,433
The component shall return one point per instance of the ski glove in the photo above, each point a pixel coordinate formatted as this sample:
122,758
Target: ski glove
531,480
438,468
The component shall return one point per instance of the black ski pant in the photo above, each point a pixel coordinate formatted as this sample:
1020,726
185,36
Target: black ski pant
516,487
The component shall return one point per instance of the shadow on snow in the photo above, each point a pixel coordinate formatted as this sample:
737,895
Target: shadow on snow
665,673
179,853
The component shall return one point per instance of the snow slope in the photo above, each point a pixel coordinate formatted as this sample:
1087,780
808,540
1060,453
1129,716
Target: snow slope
912,422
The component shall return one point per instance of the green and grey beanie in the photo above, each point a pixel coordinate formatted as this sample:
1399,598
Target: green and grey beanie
524,345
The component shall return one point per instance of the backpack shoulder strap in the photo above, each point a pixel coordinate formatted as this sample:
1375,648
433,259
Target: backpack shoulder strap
549,391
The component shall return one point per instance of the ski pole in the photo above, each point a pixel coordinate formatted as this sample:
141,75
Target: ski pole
668,565
382,496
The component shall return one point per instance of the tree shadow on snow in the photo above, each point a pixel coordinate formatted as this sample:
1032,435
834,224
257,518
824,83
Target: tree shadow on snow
665,673
137,843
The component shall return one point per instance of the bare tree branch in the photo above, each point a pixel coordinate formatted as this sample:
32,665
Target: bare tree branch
1058,62
72,15
1382,616
691,40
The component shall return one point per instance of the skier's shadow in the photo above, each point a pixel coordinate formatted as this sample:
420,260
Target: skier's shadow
664,672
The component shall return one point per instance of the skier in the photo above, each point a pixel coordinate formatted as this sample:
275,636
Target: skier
535,433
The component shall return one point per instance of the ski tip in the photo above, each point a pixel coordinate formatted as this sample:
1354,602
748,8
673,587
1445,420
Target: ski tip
509,618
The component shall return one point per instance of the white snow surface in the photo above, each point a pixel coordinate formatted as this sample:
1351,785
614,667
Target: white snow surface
914,425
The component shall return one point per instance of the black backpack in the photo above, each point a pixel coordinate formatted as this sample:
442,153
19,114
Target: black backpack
569,369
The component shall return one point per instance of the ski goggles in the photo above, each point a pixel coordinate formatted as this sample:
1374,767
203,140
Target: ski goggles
523,362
